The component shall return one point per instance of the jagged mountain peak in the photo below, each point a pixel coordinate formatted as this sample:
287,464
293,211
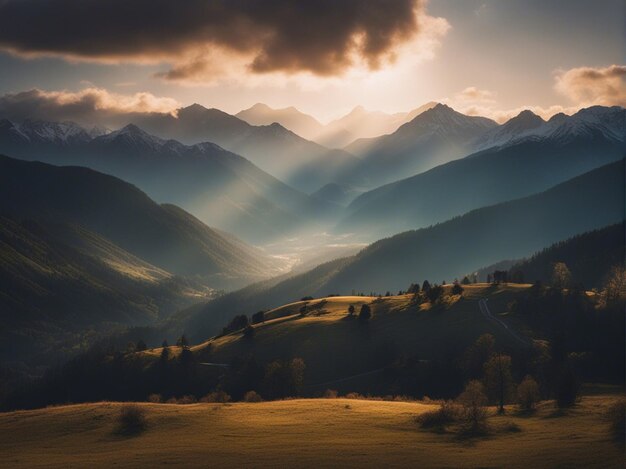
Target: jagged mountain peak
523,121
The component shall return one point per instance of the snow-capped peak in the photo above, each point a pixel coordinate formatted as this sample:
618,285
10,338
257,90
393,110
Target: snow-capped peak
133,136
53,132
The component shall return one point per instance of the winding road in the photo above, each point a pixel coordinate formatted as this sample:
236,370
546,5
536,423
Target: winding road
484,309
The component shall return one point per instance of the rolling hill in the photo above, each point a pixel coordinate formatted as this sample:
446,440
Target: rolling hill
220,187
335,347
551,155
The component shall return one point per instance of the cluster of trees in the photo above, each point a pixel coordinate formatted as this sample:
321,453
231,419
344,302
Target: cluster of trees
105,373
434,293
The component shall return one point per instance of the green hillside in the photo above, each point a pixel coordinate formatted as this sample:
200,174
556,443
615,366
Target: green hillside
334,346
63,286
163,235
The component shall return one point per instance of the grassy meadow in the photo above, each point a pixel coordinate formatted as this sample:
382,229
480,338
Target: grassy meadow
304,433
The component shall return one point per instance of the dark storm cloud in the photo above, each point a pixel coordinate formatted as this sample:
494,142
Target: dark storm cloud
320,36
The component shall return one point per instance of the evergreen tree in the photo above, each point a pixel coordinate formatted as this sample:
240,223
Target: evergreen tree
366,313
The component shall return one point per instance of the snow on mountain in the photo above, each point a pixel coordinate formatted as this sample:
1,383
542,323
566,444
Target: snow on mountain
132,137
524,124
607,122
34,131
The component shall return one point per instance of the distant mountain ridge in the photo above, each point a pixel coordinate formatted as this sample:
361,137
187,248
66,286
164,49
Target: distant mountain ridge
358,123
434,137
298,162
220,187
545,155
608,122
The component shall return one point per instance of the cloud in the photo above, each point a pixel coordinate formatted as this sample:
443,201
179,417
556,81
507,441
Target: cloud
89,106
474,101
199,37
586,86
473,94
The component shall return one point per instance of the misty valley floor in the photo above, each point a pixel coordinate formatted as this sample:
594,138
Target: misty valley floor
303,433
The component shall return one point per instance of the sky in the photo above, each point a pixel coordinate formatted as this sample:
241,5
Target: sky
61,58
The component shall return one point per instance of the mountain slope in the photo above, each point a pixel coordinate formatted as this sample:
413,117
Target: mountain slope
523,167
362,124
290,118
220,187
607,122
434,137
163,235
62,285
589,257
358,123
505,231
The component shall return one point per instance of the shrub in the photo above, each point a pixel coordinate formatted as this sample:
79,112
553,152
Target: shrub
331,394
474,400
528,394
354,395
188,399
446,414
217,396
172,400
258,317
457,289
155,398
252,396
617,418
132,419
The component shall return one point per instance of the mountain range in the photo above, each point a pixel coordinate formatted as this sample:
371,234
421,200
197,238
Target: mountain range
298,162
220,187
545,154
358,123
434,137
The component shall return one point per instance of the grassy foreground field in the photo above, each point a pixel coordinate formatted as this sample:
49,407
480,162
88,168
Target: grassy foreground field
303,433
